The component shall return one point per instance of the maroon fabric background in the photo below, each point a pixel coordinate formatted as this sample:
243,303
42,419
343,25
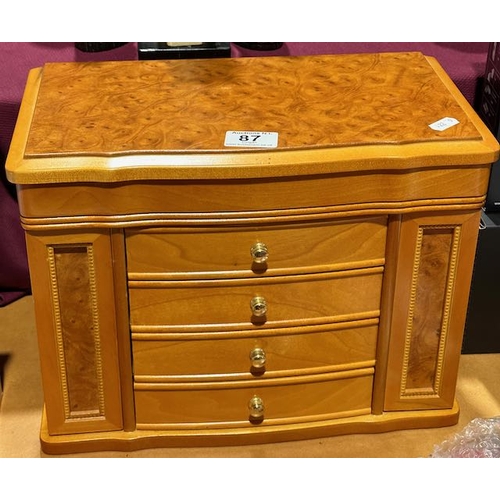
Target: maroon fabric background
463,61
14,279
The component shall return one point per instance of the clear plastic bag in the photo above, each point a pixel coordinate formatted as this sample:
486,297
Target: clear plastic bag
479,439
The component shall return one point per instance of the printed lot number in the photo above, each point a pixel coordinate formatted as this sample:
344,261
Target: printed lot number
251,139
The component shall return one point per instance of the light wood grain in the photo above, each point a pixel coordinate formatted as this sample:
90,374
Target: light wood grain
113,121
139,224
75,315
336,194
436,256
230,358
214,302
306,399
212,251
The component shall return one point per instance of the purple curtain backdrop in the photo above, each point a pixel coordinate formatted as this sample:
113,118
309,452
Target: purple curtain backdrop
16,59
14,278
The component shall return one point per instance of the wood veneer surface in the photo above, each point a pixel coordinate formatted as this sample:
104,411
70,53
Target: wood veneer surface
311,101
335,115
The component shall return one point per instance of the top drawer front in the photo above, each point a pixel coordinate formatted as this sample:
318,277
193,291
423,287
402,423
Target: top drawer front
211,250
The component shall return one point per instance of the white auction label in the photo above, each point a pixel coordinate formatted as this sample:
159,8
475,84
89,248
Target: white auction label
444,124
251,139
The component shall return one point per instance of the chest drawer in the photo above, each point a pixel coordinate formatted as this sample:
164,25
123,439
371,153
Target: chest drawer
283,299
284,401
209,250
250,356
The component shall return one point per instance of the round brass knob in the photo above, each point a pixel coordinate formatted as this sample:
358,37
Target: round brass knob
258,357
256,407
258,306
259,253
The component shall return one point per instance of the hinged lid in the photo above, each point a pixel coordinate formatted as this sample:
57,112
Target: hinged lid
112,121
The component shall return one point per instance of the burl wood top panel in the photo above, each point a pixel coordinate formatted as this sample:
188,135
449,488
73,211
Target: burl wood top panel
322,101
160,120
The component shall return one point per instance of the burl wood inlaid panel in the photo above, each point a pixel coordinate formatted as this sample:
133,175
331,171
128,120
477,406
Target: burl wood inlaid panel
435,265
431,300
75,313
321,101
75,288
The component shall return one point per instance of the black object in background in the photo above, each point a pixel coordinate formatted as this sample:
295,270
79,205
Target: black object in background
260,45
162,50
489,111
98,46
482,326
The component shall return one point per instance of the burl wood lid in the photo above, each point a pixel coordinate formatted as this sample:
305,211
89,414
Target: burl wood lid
178,113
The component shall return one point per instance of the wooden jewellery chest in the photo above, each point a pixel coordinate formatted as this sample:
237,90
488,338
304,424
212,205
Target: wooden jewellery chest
247,250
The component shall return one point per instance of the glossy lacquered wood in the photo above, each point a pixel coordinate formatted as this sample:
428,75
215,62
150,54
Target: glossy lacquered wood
431,291
338,346
289,299
313,102
281,199
285,400
377,106
72,282
140,223
190,253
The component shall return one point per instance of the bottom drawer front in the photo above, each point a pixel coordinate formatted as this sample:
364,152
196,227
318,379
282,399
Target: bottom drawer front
283,402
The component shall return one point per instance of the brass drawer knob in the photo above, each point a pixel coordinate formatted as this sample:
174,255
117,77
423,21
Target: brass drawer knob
258,305
258,357
259,253
256,407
